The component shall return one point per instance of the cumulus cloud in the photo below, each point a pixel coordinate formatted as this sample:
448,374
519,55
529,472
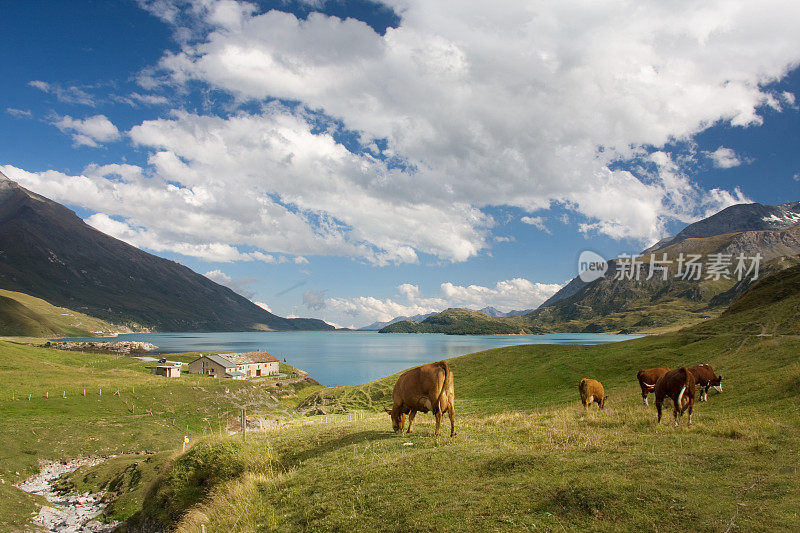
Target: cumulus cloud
89,131
724,158
489,105
486,94
70,94
507,295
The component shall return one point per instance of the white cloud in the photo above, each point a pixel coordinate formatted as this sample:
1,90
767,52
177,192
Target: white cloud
487,95
134,99
724,158
263,306
513,294
240,286
69,95
19,113
536,222
89,131
314,300
489,104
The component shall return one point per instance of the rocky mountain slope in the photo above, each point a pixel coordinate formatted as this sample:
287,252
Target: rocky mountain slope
734,219
48,252
649,305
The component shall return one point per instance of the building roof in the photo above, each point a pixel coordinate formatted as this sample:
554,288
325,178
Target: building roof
234,374
258,357
231,360
222,360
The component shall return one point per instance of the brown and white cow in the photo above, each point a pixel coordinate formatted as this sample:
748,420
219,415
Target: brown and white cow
425,388
647,380
705,377
679,385
592,392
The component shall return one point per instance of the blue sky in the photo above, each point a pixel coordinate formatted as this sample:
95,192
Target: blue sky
355,161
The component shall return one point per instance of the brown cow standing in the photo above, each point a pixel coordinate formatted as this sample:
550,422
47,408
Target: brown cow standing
592,391
705,377
425,388
647,380
679,385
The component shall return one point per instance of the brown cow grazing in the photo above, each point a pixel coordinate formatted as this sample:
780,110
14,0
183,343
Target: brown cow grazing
425,388
679,385
647,380
705,377
592,392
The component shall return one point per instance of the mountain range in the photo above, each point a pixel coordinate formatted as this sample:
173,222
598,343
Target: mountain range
631,305
48,252
375,326
734,219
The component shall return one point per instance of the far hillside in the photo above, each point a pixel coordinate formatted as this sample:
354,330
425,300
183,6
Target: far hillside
610,305
25,316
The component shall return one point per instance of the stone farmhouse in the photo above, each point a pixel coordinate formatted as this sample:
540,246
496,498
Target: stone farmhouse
235,365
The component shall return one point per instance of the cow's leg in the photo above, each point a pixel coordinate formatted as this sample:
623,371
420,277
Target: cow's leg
705,394
438,422
658,408
644,398
451,412
691,405
411,416
588,403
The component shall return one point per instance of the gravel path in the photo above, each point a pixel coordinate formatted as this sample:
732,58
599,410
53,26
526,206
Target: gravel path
69,513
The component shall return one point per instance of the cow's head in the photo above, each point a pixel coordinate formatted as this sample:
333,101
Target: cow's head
398,419
717,383
603,401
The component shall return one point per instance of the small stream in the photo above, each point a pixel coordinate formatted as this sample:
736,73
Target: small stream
71,513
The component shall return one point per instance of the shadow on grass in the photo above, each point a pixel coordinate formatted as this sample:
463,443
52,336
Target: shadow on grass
290,459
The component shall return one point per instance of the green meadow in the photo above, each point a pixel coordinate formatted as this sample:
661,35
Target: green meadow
62,404
526,455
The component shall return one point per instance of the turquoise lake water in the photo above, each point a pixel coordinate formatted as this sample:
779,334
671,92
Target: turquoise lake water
349,358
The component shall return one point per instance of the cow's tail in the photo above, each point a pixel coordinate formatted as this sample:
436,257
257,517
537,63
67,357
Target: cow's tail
679,407
447,377
685,372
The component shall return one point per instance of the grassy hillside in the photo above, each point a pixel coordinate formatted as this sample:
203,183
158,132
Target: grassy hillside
526,455
149,413
463,322
26,316
771,307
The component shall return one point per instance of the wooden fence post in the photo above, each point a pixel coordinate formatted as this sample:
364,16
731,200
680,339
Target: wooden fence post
244,423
